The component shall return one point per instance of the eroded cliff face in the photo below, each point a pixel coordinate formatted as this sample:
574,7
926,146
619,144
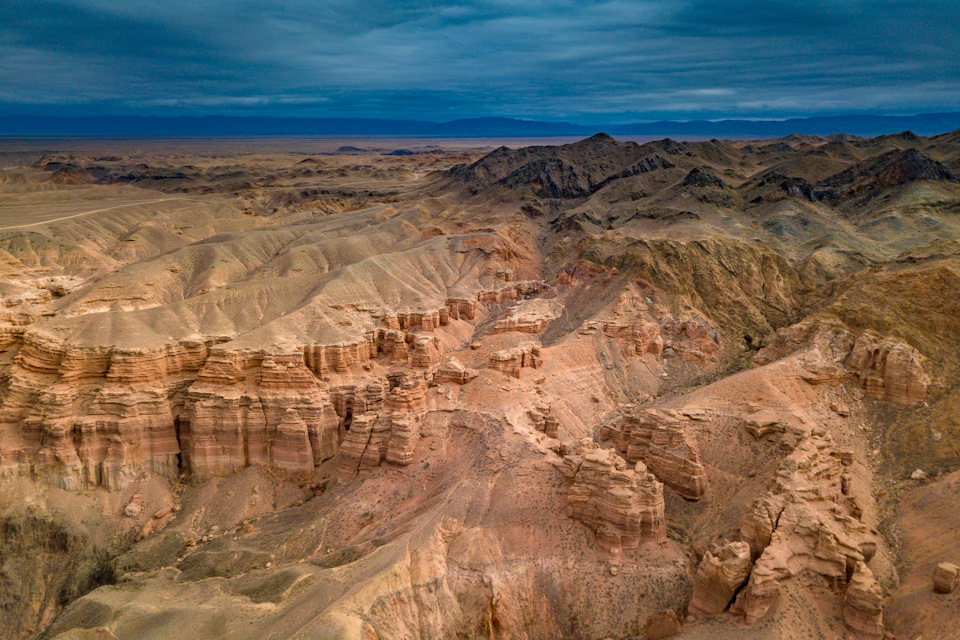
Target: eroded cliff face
660,440
885,367
83,417
622,505
806,523
526,411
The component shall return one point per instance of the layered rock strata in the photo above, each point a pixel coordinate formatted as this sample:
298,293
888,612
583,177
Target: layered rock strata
659,438
229,425
452,371
805,523
514,291
946,577
81,417
721,572
544,420
863,605
622,503
511,361
390,434
885,367
645,327
529,316
426,353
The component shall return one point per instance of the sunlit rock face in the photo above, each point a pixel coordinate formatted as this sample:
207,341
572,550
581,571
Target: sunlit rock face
623,505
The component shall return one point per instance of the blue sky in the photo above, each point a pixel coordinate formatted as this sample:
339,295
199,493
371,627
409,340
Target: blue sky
593,62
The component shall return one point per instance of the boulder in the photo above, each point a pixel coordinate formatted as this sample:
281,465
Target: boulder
946,577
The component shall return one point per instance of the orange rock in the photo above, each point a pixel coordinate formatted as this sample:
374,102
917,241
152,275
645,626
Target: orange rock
622,504
659,439
863,605
946,577
720,574
663,625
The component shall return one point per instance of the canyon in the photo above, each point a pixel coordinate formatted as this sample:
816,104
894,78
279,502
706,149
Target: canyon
600,389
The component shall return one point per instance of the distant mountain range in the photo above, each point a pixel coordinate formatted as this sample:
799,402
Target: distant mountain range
226,126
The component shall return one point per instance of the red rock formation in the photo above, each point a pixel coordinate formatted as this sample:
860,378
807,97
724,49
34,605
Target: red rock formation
659,439
389,434
452,371
888,369
290,449
458,308
885,367
514,291
529,316
802,524
663,625
721,572
405,407
97,415
510,361
426,352
408,320
363,445
324,359
946,577
393,344
622,504
863,605
353,399
645,327
229,425
544,421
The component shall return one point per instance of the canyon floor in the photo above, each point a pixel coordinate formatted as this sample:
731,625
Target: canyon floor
595,389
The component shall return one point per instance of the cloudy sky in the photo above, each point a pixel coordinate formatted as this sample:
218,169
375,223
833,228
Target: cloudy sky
584,61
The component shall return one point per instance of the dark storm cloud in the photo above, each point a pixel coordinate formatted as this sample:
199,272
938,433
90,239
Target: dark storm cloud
553,59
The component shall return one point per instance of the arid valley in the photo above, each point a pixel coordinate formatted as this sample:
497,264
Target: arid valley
382,390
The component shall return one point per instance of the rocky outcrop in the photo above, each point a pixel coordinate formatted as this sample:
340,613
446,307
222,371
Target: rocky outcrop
464,308
544,420
452,371
663,625
290,449
645,327
430,320
390,434
659,439
946,577
530,316
426,352
565,171
721,572
360,397
405,407
622,503
85,416
805,523
515,291
863,605
887,170
887,368
510,361
393,344
324,359
364,444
